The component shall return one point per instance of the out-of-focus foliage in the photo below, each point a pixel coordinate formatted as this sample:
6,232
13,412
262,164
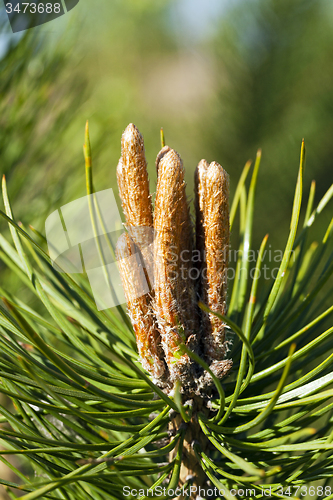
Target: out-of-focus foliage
258,76
274,71
40,93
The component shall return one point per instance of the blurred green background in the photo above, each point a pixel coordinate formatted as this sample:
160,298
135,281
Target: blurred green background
222,78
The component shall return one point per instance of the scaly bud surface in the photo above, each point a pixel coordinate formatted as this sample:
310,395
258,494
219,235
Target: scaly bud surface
212,185
138,303
175,304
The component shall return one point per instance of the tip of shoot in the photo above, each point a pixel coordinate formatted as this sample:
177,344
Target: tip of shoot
162,138
302,158
86,147
292,349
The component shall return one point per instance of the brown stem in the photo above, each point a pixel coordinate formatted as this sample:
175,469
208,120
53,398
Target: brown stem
190,467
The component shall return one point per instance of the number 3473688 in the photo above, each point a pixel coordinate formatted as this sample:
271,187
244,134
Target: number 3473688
33,8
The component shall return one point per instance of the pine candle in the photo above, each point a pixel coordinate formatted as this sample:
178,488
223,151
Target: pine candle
168,317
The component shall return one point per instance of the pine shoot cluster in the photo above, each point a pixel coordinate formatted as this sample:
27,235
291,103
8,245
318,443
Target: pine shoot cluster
182,268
